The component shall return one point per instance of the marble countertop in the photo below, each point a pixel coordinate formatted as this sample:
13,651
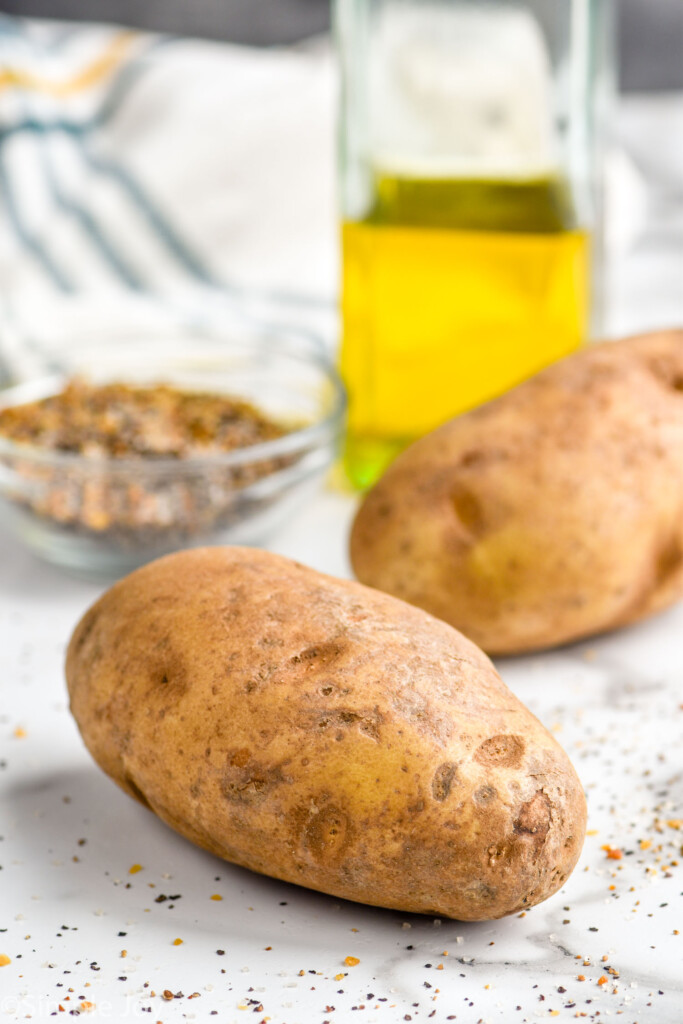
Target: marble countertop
88,933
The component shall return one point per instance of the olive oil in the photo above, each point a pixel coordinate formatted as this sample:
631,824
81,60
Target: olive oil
453,291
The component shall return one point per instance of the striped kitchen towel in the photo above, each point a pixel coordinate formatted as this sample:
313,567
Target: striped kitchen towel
148,179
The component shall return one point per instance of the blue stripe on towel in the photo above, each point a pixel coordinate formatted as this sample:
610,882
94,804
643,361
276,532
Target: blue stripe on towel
116,262
33,127
29,241
157,222
123,81
163,229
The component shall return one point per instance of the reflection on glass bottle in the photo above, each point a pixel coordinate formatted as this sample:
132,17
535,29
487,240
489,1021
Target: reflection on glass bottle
467,193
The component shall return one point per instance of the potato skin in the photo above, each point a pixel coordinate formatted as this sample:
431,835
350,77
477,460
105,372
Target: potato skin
550,514
320,732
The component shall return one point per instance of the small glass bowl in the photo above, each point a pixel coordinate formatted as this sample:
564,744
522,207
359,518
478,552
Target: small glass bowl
103,517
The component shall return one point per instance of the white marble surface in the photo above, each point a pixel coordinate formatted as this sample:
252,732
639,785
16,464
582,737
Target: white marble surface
69,906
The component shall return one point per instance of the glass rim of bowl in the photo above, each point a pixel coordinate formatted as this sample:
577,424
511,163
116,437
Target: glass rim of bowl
310,436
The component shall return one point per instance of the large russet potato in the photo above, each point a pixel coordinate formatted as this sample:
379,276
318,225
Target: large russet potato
552,513
323,733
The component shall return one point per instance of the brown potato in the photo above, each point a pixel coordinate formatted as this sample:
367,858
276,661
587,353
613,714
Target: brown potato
320,732
547,515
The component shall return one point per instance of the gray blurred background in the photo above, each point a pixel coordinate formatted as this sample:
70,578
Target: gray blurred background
650,31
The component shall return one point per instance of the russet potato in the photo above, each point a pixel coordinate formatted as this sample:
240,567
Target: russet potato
552,513
323,733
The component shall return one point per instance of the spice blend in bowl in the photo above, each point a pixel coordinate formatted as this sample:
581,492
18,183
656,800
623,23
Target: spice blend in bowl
101,476
121,420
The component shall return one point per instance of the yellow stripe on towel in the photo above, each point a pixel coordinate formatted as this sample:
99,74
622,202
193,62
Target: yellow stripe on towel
90,75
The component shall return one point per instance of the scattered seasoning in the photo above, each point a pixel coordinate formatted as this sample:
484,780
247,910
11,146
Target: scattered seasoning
351,961
216,896
4,960
133,870
177,942
20,733
612,853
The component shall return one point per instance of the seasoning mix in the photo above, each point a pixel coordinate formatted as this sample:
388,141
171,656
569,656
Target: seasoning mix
149,466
